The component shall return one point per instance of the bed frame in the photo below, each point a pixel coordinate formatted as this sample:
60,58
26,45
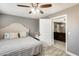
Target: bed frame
14,27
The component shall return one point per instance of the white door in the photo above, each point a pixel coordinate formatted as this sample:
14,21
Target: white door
45,31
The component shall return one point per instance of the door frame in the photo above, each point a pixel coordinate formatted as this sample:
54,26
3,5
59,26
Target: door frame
52,23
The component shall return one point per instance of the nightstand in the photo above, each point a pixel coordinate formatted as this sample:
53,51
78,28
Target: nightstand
36,36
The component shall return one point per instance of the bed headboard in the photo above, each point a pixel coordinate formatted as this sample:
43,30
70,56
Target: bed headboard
14,27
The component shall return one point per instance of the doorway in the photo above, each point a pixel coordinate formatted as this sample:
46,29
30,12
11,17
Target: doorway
59,27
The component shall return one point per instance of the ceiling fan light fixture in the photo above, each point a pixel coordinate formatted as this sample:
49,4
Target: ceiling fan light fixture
35,11
35,7
41,12
30,12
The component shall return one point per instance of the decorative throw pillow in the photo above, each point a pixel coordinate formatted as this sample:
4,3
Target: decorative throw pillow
9,35
23,34
6,35
13,35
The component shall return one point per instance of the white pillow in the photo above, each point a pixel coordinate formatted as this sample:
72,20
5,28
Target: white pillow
10,35
13,35
6,35
23,34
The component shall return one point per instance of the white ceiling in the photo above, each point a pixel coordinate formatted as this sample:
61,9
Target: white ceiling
12,9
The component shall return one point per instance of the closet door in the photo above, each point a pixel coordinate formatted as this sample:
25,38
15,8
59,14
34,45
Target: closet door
45,31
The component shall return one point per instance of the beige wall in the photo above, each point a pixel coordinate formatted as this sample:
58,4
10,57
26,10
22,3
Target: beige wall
72,27
6,20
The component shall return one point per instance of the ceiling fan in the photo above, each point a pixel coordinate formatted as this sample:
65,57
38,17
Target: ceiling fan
35,8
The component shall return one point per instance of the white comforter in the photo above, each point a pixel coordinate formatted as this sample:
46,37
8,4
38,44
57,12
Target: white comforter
21,46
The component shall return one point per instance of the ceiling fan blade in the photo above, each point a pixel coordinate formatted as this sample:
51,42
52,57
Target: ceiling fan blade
45,5
23,6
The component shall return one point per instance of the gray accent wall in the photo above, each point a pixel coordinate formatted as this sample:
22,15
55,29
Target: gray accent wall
72,27
6,20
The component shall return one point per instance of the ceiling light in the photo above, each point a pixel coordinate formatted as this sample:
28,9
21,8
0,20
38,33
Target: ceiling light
35,11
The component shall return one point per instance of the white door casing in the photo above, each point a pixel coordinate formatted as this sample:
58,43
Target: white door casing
62,18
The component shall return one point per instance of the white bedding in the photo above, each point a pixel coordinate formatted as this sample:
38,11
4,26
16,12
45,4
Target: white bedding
21,46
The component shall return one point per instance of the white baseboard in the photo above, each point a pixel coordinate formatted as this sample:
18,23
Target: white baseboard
71,54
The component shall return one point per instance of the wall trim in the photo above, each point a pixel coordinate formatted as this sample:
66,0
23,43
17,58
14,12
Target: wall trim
71,54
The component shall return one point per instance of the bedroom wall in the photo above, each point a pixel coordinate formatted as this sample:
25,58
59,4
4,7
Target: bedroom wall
72,27
6,20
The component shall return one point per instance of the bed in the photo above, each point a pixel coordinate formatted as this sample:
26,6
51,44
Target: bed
26,46
20,47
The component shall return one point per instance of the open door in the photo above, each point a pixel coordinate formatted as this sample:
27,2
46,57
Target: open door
45,31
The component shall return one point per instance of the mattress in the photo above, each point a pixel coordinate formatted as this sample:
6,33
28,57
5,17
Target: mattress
20,47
